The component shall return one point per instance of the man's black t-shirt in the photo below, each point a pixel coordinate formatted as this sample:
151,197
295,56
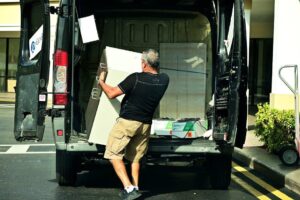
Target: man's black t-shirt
143,91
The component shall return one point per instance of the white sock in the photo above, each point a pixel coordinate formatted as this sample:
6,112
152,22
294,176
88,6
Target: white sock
129,188
136,187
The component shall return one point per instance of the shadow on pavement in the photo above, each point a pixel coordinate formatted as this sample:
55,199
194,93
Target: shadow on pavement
154,180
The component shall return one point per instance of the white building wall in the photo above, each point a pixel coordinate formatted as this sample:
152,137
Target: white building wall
247,19
286,51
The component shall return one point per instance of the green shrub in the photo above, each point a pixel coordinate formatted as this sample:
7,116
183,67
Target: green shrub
275,128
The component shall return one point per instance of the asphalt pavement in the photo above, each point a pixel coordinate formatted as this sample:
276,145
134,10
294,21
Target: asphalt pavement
253,155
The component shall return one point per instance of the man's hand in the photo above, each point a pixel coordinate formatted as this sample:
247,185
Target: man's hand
111,92
102,76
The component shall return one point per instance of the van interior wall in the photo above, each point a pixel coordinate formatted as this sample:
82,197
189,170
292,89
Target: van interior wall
137,34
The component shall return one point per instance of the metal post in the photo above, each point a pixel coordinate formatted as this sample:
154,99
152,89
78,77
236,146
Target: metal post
297,109
73,67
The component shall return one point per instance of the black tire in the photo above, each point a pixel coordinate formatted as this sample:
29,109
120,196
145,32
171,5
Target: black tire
220,171
66,168
289,156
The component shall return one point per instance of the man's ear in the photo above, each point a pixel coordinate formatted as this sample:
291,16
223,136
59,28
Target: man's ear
143,65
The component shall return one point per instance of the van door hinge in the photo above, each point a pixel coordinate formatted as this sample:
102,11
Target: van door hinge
55,10
63,10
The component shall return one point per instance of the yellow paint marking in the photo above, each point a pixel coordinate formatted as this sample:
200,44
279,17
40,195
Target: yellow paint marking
249,188
260,182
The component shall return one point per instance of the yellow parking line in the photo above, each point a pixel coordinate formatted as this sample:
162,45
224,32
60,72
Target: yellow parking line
260,182
249,188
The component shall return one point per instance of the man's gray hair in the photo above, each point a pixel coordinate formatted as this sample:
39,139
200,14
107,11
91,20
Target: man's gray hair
151,57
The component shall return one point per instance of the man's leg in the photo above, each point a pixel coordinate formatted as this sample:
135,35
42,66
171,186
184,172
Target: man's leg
135,151
135,170
120,170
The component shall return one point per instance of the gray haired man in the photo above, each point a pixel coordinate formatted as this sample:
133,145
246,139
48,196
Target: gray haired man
130,135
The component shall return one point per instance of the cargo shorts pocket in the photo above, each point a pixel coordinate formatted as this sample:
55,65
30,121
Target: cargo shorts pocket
117,143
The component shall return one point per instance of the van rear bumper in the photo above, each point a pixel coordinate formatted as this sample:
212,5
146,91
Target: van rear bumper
158,146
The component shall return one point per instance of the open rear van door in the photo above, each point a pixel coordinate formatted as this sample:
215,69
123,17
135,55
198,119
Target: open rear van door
238,78
231,86
33,70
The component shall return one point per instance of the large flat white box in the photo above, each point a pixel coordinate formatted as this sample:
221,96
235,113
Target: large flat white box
120,63
185,63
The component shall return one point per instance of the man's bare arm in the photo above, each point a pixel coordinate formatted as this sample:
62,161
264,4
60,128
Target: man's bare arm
111,92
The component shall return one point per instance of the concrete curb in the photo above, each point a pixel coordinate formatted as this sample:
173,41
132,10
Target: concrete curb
7,97
6,102
269,165
253,163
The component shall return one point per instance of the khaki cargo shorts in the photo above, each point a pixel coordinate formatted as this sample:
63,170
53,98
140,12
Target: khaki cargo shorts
129,139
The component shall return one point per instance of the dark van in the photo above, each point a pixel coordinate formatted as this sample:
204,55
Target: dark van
132,25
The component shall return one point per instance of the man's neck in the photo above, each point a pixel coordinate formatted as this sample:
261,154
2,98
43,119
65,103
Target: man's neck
151,71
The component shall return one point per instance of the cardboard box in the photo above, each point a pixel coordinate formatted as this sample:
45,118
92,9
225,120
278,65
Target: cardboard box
94,99
179,129
189,129
120,63
161,127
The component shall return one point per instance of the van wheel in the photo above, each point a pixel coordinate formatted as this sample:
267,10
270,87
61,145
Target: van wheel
66,168
220,171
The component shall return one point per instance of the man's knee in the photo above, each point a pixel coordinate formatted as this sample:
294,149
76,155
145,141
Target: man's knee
113,161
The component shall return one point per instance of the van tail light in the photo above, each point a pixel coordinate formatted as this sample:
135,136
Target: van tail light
60,77
61,58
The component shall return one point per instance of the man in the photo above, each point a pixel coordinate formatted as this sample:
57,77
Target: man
130,135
